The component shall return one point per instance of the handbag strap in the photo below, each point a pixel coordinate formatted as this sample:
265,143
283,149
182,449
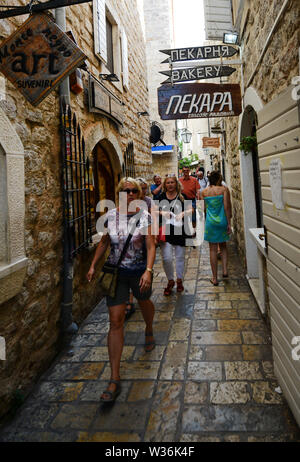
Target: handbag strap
124,250
173,206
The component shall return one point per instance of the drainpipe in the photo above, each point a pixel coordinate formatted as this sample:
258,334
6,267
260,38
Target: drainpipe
68,326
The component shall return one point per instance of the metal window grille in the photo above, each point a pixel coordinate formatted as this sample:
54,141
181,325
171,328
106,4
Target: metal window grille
76,180
129,165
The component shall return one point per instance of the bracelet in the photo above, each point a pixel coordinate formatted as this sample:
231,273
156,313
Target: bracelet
149,269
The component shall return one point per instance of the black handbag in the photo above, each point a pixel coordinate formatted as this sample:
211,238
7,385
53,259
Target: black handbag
109,274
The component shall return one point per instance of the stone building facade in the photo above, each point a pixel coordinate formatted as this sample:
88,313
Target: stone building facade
264,182
31,217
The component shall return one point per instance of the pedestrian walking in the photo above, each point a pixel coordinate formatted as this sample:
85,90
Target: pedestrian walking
202,180
171,211
217,224
156,187
130,308
190,190
135,273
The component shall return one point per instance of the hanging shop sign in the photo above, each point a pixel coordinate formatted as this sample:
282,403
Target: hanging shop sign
197,73
31,7
192,53
38,56
210,142
198,100
101,100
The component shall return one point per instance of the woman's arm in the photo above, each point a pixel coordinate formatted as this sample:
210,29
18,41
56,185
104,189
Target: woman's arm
227,208
157,190
145,280
100,250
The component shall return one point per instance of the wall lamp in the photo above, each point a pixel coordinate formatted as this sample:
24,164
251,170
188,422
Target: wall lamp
231,38
109,77
142,113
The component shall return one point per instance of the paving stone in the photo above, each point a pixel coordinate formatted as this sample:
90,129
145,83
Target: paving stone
235,296
264,392
107,437
88,371
248,313
215,314
223,353
240,324
74,416
268,368
135,370
154,355
33,416
255,338
95,328
248,418
210,289
141,391
254,352
98,354
204,296
134,326
216,338
164,413
82,340
200,305
217,304
243,370
64,391
121,416
75,371
196,353
229,393
190,438
196,392
180,329
204,325
204,371
173,366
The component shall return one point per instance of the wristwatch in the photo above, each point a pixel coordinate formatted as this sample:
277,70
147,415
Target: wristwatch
149,269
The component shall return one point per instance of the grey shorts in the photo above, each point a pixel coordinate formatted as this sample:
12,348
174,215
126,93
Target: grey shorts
124,285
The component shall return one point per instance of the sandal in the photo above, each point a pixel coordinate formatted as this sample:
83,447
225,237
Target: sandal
112,394
150,344
180,287
129,311
213,283
168,289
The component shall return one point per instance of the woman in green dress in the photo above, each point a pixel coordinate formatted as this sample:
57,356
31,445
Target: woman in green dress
217,223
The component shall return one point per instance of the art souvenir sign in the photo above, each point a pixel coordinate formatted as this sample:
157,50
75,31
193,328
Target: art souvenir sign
38,56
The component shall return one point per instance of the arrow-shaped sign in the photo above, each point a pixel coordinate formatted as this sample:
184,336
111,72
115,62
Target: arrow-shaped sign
197,73
207,52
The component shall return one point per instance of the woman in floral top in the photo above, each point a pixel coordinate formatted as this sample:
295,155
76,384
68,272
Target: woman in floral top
135,272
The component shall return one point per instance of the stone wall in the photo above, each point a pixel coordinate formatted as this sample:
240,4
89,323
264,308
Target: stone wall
30,322
279,65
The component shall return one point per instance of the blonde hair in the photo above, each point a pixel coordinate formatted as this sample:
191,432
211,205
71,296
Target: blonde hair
178,186
133,181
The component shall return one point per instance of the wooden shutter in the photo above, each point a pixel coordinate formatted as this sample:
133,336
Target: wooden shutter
125,60
100,29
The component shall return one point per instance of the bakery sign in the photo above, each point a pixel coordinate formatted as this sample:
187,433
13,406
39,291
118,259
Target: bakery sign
210,142
38,56
199,100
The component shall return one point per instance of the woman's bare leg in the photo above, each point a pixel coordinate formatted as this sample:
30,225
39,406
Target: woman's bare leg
148,310
213,248
224,256
115,341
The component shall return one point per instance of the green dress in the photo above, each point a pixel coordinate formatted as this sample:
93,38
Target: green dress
216,221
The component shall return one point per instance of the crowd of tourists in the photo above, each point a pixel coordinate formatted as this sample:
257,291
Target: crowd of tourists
136,228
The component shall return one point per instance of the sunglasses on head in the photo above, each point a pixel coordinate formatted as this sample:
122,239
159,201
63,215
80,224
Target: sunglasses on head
128,191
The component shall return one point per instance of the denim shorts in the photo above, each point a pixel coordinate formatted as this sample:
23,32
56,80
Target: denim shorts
124,285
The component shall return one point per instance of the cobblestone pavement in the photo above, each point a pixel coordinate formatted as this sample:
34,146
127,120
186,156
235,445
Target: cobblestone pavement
210,377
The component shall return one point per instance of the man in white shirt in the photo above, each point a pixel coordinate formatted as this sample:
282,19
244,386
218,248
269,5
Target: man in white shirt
203,182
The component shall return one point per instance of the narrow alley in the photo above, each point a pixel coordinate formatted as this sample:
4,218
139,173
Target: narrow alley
209,379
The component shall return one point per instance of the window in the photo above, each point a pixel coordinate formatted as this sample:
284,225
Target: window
110,42
109,47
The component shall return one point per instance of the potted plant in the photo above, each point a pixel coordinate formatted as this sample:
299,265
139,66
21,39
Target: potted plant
248,144
185,162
